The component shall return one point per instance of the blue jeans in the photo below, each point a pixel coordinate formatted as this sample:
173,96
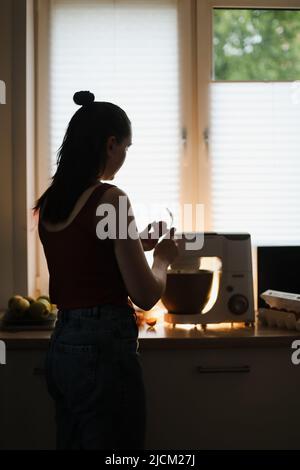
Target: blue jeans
94,375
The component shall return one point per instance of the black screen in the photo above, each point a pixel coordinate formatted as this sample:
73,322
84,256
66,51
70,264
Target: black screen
278,268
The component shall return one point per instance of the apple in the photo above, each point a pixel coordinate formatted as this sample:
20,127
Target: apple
46,303
18,306
40,309
46,297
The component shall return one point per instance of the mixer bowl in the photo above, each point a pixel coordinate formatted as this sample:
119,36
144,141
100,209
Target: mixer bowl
188,292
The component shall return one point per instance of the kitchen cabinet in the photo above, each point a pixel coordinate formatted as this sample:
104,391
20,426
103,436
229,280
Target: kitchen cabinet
225,389
26,410
222,399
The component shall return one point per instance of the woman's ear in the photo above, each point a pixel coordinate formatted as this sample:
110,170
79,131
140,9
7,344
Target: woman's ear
110,145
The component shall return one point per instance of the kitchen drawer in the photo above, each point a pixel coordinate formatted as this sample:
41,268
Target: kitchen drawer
222,399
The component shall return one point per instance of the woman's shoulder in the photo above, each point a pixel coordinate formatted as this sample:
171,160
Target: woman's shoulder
109,193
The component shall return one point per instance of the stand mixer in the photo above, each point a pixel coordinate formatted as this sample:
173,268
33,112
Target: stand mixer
189,288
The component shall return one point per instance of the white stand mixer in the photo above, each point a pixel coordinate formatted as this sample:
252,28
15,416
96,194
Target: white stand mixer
234,302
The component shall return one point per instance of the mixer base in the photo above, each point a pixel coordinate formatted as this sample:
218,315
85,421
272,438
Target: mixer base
195,319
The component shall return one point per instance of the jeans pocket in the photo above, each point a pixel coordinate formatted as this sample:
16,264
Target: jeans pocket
74,370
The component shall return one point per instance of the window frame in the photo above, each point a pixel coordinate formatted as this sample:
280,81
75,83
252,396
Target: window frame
42,125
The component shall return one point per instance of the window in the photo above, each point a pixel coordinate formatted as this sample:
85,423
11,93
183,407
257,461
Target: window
125,52
255,116
256,44
212,89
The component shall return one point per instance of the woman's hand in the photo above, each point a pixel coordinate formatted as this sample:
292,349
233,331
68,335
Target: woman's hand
168,249
150,239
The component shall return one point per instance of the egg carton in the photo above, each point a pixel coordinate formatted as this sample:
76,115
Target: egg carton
279,318
284,301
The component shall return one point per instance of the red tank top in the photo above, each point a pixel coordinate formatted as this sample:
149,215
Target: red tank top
83,270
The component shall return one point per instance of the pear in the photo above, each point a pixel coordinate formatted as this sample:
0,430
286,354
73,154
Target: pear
30,299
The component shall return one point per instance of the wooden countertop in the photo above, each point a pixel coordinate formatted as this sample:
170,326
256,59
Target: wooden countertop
165,336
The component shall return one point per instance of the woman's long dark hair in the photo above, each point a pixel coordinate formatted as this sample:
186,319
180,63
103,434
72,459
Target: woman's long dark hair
81,159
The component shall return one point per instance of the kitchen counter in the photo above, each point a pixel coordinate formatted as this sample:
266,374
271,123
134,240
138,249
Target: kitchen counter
229,387
165,336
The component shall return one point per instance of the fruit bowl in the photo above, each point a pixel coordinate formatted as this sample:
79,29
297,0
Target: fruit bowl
10,318
27,313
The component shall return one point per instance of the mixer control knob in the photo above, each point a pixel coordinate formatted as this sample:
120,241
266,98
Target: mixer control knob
238,304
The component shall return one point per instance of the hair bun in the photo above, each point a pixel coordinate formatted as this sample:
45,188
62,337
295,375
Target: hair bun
83,98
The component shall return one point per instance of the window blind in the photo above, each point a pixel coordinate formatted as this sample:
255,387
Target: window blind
255,160
125,52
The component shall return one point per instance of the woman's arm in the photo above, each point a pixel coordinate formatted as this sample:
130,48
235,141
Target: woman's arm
145,285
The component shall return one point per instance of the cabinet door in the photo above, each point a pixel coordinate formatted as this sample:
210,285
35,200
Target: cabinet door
27,411
222,399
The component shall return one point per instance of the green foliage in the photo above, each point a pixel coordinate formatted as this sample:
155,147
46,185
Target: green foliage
256,44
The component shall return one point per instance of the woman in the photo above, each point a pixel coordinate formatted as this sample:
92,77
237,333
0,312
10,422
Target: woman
93,368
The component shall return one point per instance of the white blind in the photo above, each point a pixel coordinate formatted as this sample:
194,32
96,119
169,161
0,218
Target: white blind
125,52
255,158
